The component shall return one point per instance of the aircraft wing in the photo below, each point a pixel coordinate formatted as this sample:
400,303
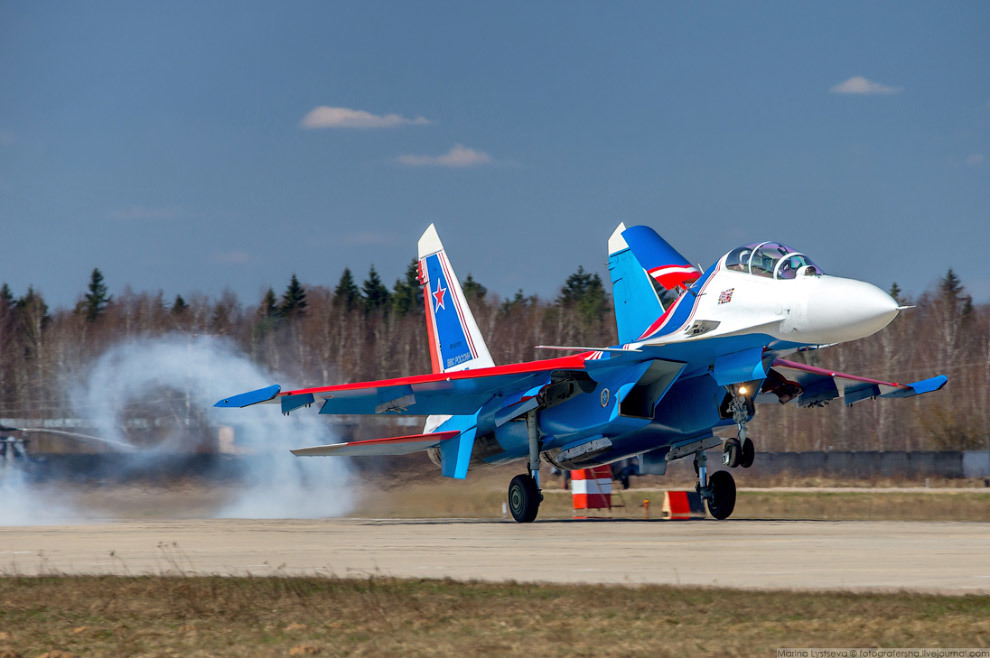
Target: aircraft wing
811,386
457,393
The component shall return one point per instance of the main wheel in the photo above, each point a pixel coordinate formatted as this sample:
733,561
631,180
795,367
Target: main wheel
732,450
723,499
524,498
747,454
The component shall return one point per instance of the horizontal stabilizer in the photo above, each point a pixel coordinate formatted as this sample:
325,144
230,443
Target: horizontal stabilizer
819,385
266,394
397,445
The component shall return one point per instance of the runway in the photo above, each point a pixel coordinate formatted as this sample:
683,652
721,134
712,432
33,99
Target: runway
856,555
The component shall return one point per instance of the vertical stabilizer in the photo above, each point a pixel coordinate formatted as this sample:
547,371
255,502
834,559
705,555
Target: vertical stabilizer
633,295
660,260
455,340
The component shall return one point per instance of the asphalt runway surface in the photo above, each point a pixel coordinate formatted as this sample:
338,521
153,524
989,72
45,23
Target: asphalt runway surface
949,557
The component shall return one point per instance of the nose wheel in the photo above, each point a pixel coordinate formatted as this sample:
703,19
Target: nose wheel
736,453
741,451
747,453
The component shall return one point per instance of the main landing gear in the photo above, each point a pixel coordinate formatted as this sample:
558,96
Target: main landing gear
524,490
719,491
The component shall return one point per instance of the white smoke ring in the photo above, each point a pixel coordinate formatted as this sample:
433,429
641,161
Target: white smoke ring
208,368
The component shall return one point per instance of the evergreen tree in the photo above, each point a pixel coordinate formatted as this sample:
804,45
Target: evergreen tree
179,306
519,301
346,294
7,307
32,314
406,296
7,301
293,300
96,300
375,293
895,292
473,291
585,293
951,289
269,305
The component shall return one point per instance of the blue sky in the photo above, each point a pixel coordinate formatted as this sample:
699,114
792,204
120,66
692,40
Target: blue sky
181,146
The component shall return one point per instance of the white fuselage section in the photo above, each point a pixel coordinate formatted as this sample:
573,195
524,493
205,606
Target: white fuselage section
811,309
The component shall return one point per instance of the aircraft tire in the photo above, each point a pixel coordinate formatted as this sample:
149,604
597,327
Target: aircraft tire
723,499
747,454
524,498
733,449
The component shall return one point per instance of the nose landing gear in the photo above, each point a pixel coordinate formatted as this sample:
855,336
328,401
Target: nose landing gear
741,451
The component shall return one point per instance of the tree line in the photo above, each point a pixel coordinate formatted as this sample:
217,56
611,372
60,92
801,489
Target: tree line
313,334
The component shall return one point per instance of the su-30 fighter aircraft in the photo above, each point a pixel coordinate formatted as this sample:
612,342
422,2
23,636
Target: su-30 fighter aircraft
680,372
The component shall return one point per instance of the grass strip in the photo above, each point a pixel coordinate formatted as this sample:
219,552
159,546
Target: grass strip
277,616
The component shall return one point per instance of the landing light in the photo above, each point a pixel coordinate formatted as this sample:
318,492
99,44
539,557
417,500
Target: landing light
743,390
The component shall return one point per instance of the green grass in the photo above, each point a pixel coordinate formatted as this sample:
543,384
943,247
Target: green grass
223,616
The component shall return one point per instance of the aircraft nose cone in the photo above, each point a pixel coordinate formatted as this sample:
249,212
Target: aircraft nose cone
846,309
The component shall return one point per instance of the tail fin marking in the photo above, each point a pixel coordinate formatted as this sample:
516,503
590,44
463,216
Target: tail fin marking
455,340
659,259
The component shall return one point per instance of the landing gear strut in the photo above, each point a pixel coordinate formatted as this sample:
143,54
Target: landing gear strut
524,490
739,452
719,490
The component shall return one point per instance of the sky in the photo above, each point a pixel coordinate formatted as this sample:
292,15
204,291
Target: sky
196,147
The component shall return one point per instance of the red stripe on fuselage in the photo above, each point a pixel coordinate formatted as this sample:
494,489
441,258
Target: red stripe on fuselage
412,438
575,362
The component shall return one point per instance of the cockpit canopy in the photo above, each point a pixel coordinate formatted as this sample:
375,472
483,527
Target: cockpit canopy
771,260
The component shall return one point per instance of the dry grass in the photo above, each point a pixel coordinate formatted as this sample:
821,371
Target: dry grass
484,497
219,616
855,506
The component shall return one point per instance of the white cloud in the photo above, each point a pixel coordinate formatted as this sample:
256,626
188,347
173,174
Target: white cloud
342,117
458,156
974,159
860,85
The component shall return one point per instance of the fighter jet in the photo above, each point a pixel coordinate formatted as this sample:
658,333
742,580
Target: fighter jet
680,372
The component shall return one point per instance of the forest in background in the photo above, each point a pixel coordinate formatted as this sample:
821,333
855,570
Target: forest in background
314,335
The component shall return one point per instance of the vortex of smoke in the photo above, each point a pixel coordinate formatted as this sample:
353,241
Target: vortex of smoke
274,484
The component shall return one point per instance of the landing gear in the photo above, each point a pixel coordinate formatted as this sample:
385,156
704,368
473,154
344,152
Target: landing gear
722,498
524,498
739,452
735,453
719,490
730,452
747,453
524,490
